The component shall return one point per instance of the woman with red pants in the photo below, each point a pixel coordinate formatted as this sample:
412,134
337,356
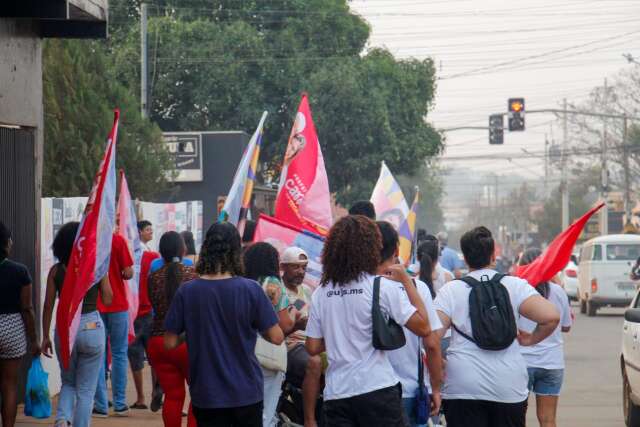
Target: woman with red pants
171,366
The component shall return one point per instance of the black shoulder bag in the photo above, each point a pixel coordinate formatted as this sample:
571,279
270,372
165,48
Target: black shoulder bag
387,334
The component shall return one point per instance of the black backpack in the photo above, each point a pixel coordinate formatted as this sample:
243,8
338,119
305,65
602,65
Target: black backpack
492,321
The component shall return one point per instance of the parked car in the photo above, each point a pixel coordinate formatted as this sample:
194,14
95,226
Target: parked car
570,278
630,364
603,272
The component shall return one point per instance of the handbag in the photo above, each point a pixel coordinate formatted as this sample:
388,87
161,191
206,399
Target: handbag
271,356
422,404
387,334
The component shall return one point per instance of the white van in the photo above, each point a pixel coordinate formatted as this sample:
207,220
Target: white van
603,273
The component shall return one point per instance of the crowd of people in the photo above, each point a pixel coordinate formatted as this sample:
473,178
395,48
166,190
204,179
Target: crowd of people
236,323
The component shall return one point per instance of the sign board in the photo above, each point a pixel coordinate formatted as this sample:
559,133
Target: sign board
185,149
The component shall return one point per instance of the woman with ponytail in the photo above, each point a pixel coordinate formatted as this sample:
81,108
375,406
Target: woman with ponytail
221,314
171,366
545,360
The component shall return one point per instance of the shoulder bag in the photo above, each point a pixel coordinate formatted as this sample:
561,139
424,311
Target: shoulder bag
387,334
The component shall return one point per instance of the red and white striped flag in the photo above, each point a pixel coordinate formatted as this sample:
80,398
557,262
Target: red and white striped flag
91,251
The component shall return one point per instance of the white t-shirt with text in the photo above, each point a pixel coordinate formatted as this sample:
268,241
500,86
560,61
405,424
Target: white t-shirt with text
471,372
548,353
341,315
405,360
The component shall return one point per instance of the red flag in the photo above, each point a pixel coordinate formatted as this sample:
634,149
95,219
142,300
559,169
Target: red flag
128,229
91,251
557,254
303,197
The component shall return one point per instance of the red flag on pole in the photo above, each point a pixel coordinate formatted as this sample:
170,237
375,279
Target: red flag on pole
91,251
303,197
128,229
557,254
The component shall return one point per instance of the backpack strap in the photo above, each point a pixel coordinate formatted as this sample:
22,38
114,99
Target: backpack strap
462,333
470,281
420,366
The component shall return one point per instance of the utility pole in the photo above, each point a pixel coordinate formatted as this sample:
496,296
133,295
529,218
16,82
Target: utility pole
604,216
144,71
565,184
546,166
627,178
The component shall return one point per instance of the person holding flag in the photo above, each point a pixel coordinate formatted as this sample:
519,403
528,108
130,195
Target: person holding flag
545,360
90,261
79,381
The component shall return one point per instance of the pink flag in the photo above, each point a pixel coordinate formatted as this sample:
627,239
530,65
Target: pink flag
282,235
303,197
557,254
128,228
91,251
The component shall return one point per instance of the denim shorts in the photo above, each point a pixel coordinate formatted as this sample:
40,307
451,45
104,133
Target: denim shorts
137,349
545,382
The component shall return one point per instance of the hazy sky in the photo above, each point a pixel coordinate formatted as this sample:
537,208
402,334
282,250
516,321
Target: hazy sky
489,50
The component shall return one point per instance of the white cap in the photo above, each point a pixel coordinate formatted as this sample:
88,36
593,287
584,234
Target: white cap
294,255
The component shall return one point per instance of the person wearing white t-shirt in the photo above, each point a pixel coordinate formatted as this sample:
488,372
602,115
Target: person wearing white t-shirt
361,387
405,360
430,246
545,360
485,388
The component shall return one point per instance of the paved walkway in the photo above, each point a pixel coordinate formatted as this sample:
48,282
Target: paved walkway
137,418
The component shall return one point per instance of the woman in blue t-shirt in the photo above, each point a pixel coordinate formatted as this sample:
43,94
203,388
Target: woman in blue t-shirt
222,314
17,325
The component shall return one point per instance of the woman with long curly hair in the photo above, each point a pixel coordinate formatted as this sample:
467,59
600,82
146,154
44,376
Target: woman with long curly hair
361,385
221,314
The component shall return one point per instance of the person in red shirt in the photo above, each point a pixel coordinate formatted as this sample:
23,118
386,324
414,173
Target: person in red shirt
142,326
116,321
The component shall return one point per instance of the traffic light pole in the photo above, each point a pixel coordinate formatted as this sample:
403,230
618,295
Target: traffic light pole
565,182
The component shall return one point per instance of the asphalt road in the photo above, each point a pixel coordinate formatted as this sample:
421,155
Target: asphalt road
592,391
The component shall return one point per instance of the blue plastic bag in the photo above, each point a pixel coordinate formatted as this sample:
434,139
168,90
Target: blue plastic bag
37,403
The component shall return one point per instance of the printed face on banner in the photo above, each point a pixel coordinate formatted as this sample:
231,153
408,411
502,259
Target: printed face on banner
297,141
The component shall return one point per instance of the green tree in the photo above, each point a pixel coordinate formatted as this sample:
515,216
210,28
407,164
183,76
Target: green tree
80,92
581,198
216,65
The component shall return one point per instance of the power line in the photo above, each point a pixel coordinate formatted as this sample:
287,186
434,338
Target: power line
540,55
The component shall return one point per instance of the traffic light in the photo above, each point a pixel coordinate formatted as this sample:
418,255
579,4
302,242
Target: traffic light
496,129
516,114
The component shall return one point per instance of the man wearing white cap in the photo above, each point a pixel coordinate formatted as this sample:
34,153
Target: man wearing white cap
302,369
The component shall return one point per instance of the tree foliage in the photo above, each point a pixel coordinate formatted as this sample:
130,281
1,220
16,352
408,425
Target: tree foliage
80,93
216,65
581,199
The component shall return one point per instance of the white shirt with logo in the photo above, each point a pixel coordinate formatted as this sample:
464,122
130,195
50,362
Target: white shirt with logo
341,315
548,353
471,372
405,360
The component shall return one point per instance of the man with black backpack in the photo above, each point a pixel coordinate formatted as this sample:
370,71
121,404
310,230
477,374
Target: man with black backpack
486,376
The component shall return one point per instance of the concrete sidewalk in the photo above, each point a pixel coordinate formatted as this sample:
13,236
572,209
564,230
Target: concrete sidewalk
137,418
